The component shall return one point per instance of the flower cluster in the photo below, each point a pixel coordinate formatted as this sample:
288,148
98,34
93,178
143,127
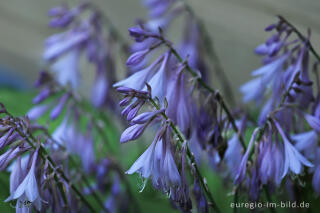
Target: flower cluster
167,93
21,157
288,138
158,161
286,67
172,91
278,149
83,34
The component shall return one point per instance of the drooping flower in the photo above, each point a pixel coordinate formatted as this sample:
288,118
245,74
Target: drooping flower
306,142
285,69
158,163
243,165
313,121
178,102
233,155
56,111
8,137
66,69
201,201
83,35
293,159
159,81
138,79
255,89
62,16
161,13
270,160
59,134
12,153
28,191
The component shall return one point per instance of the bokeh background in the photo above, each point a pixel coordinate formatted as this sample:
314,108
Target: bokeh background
235,26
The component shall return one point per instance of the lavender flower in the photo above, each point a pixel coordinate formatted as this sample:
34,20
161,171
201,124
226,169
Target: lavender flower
139,78
233,153
157,161
316,180
178,102
202,203
285,68
243,165
313,121
306,142
11,154
27,191
83,34
270,161
293,159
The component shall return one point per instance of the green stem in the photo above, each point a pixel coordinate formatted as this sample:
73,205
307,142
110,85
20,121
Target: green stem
100,115
44,155
87,183
272,210
190,156
208,88
301,36
209,47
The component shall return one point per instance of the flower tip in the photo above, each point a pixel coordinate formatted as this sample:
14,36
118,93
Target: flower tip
270,27
124,139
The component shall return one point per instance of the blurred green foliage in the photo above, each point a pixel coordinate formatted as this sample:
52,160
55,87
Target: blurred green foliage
150,200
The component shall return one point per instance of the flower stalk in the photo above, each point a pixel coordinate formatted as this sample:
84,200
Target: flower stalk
190,156
30,139
205,86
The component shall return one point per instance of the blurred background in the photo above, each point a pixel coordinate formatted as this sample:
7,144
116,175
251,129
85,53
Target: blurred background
236,27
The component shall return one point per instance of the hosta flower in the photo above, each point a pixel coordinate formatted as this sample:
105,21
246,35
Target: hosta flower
233,155
270,161
139,33
137,57
313,121
243,164
159,81
59,44
316,180
44,94
83,35
255,89
59,134
306,142
162,13
66,69
100,89
56,111
285,67
140,123
133,132
179,109
293,159
8,137
158,7
202,204
9,155
139,78
27,191
63,16
157,77
158,163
